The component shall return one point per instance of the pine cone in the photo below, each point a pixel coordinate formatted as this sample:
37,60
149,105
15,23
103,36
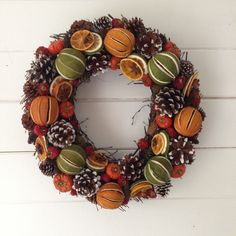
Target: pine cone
163,190
181,151
87,182
30,90
80,25
97,63
131,167
47,167
42,69
135,25
168,101
61,134
27,122
92,199
102,25
187,68
148,44
32,137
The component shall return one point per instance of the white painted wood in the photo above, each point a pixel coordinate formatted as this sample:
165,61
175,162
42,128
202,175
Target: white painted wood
203,179
208,24
216,68
180,217
108,123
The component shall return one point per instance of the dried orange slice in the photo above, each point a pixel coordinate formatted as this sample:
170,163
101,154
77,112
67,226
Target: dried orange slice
158,143
82,40
131,69
41,147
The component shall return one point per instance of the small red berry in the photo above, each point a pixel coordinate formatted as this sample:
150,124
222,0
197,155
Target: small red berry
151,193
142,143
67,109
122,181
53,152
171,47
163,122
126,201
73,192
40,130
56,46
147,81
105,178
74,123
178,171
42,51
179,82
89,150
115,63
43,89
172,133
195,98
117,23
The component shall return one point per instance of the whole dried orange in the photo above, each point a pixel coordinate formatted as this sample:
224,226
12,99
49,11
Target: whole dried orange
82,40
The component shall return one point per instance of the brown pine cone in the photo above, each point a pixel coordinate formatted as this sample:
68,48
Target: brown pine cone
81,25
61,134
27,122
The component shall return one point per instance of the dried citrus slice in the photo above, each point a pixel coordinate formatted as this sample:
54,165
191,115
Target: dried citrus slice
61,89
97,45
157,144
82,40
160,143
131,69
141,62
41,147
188,87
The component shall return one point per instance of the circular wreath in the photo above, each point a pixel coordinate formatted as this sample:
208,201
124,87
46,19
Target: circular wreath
64,150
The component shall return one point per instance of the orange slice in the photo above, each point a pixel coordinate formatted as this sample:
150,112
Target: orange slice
42,145
157,144
82,40
131,69
189,86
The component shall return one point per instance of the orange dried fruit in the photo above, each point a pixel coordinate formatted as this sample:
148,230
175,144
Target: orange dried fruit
82,40
131,69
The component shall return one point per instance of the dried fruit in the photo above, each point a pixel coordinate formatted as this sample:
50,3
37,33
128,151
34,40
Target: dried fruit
56,46
113,170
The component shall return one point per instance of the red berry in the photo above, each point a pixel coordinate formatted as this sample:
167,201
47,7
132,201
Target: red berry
74,123
117,23
122,181
67,109
43,89
142,144
147,81
105,178
126,201
53,152
178,171
172,133
75,82
163,122
56,46
42,51
40,130
73,192
115,62
171,47
89,150
179,82
195,98
151,193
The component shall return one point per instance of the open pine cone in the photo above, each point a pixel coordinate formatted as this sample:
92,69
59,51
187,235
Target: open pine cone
61,134
168,101
181,151
87,182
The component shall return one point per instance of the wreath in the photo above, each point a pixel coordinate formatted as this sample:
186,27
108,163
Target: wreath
64,150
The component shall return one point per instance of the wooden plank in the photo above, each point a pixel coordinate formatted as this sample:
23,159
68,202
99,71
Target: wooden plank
112,85
206,178
183,25
185,217
109,124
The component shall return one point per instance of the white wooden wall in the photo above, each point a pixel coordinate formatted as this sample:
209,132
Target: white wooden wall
202,203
